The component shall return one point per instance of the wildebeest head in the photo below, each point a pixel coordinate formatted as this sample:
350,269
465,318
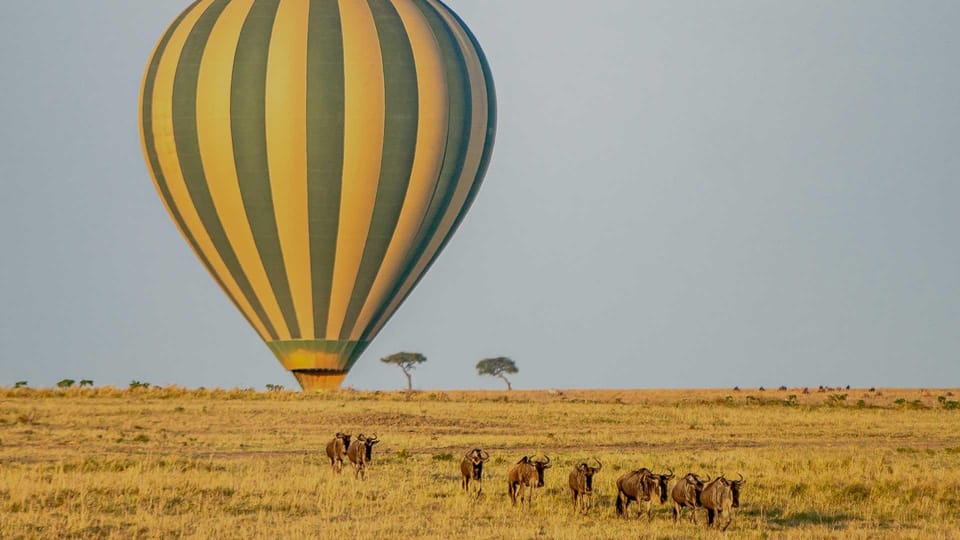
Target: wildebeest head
541,465
689,482
476,457
368,443
587,471
735,489
345,437
662,481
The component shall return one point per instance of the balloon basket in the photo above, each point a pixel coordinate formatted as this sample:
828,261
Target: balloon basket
319,379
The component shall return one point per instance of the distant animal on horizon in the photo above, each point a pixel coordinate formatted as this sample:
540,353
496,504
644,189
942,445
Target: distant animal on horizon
719,497
643,486
526,473
581,484
361,453
686,494
471,468
337,450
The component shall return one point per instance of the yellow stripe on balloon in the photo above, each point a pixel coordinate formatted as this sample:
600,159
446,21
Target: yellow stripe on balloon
432,124
216,153
286,132
166,149
478,131
364,110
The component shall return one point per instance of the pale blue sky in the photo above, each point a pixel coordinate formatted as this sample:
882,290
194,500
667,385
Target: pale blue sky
681,194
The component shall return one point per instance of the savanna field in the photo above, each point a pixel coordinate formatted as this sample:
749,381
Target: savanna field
170,462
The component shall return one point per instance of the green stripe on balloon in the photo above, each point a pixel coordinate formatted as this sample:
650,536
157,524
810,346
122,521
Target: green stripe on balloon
249,132
149,143
325,125
399,144
188,151
455,151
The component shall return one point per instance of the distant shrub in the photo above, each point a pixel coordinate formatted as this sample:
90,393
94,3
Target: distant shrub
137,384
443,456
947,403
274,388
65,383
836,399
85,382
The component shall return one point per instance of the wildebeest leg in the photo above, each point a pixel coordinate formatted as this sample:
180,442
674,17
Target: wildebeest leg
676,512
711,515
729,520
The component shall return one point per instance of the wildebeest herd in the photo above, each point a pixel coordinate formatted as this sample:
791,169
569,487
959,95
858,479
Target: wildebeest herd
718,496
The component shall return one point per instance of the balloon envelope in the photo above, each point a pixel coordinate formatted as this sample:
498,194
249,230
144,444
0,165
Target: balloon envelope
317,155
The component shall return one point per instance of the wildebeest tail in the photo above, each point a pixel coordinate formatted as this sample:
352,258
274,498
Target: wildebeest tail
619,503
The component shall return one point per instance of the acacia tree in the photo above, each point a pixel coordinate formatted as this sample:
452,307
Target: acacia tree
496,367
405,361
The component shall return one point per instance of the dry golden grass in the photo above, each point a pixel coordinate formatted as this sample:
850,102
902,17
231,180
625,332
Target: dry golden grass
171,462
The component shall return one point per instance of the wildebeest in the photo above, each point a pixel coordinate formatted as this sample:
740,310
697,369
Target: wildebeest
719,497
643,486
528,473
337,449
361,453
581,483
686,493
471,468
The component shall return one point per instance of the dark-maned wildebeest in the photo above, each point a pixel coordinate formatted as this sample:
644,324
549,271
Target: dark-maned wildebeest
581,484
337,449
471,468
361,453
526,473
687,494
643,486
719,497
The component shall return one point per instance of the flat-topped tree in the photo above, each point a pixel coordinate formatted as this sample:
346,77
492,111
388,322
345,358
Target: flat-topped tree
496,367
405,361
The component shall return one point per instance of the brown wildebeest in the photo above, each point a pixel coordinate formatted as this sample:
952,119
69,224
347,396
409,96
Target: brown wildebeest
687,494
337,449
581,484
526,473
720,497
471,468
361,453
643,486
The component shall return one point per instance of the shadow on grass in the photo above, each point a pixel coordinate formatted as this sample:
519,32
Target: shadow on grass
797,519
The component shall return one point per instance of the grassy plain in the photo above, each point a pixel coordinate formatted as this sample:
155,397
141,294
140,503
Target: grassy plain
151,463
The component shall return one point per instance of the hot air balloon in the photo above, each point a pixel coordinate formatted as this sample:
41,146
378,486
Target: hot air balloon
317,155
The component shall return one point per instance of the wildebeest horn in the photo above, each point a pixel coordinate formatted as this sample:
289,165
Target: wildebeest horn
599,465
484,455
547,462
741,480
669,476
374,438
